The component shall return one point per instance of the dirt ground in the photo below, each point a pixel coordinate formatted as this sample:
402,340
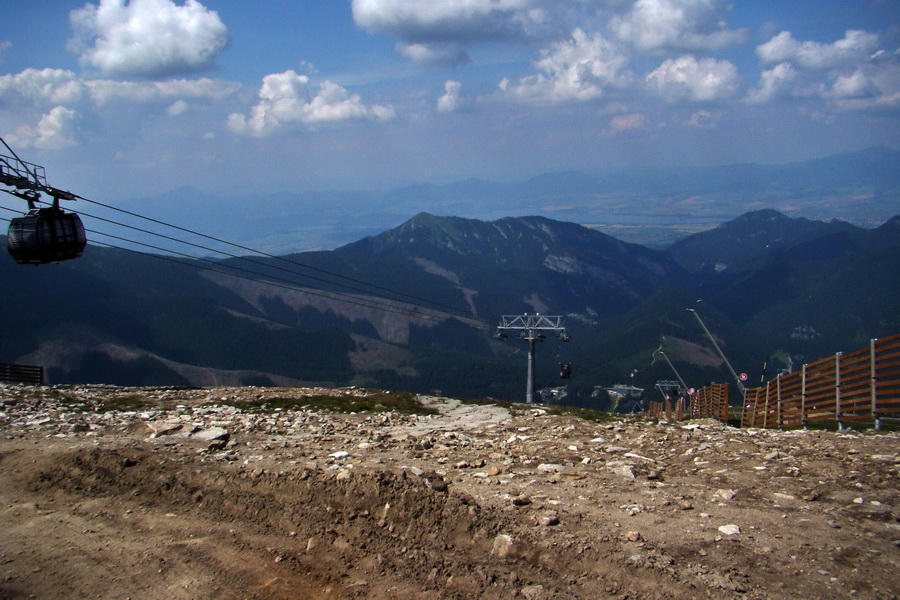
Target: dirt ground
214,493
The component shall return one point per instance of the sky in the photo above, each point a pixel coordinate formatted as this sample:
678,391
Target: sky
124,99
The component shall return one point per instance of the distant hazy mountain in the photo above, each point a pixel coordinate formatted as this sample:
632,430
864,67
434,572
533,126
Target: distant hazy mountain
658,206
415,307
759,237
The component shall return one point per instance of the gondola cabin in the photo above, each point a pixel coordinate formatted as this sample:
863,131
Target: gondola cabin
45,235
565,370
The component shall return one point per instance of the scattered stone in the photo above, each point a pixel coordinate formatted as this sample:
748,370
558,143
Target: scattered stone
549,520
549,468
211,434
502,546
533,592
730,530
726,494
626,471
435,481
633,536
521,500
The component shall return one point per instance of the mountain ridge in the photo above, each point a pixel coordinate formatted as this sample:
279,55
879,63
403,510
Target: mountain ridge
177,324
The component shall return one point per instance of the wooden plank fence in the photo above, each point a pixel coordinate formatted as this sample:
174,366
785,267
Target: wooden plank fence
862,385
707,402
10,373
710,402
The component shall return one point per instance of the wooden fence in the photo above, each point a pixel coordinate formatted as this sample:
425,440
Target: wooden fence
710,402
707,402
862,385
21,374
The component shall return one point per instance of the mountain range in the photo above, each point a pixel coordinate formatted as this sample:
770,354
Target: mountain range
651,207
415,307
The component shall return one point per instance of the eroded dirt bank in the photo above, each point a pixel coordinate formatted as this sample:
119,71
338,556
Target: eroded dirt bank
241,493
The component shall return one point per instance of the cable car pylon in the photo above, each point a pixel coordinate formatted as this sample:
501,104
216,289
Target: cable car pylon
532,329
42,235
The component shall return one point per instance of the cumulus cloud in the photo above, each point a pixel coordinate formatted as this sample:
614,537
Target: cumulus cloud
439,55
849,73
451,101
622,123
50,101
54,131
147,38
43,86
654,25
581,68
687,78
452,20
856,45
873,85
774,83
286,99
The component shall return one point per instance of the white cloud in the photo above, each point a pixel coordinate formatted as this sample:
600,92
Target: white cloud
147,37
452,20
687,78
856,45
579,69
44,87
54,131
451,101
622,123
46,102
442,55
176,108
855,85
103,91
774,83
285,100
703,119
873,85
654,25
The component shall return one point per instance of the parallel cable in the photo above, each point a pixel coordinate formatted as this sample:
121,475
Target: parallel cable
268,279
446,307
289,285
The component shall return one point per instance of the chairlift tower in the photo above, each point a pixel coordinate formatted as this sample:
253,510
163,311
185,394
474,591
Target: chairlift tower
531,328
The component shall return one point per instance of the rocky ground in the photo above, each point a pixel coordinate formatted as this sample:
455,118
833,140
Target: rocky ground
269,493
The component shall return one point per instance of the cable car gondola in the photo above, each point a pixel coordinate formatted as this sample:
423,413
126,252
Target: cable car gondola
45,235
565,370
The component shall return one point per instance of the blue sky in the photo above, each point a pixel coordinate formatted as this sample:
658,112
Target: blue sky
127,99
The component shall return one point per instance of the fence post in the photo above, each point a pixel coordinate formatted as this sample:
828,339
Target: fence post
778,392
837,390
874,383
803,397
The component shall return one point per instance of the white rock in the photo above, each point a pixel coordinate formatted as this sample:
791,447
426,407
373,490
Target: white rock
213,433
503,545
730,530
549,468
726,494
